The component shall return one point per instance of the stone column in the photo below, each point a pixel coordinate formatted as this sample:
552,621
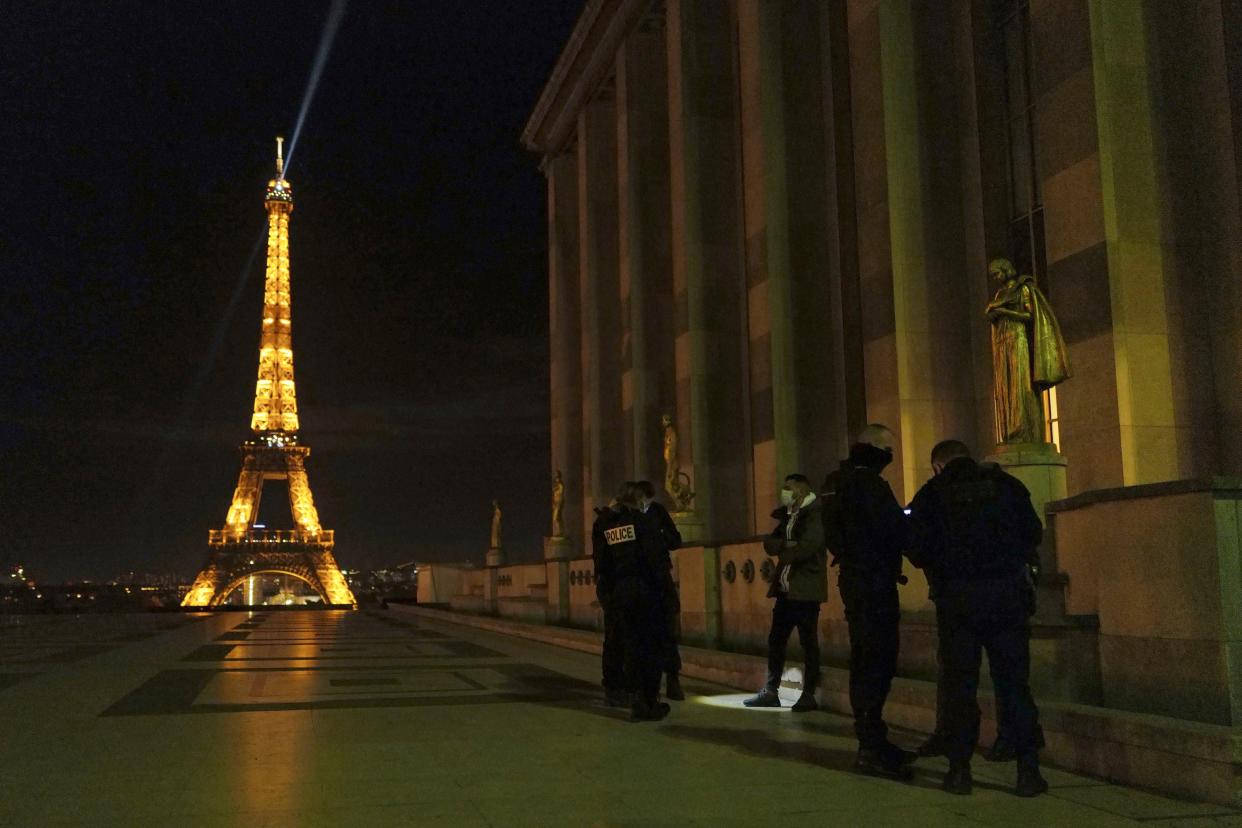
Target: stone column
786,218
1149,430
1123,415
845,318
707,261
916,311
1197,116
1227,319
983,130
565,337
603,446
645,257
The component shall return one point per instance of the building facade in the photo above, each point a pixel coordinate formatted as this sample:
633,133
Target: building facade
772,221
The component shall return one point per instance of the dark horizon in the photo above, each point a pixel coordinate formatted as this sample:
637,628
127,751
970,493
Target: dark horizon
139,141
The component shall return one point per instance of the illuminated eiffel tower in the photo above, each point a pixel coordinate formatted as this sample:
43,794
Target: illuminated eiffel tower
240,550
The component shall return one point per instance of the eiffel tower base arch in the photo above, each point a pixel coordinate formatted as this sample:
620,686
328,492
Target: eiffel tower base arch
233,560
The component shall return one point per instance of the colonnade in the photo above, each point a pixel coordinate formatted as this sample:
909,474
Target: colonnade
772,221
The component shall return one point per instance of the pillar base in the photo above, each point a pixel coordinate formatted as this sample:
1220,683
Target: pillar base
558,548
495,557
690,525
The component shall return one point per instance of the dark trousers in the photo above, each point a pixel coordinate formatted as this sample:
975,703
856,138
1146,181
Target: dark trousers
1004,717
672,602
873,614
986,615
642,626
672,654
787,616
614,652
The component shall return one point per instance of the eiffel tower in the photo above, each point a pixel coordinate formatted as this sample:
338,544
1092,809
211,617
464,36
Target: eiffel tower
241,550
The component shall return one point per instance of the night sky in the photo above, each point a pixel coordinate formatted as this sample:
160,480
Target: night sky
135,143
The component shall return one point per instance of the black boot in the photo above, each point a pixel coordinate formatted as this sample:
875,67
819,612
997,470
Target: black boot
933,746
1030,781
806,702
616,698
1001,751
645,712
672,687
957,780
893,754
884,763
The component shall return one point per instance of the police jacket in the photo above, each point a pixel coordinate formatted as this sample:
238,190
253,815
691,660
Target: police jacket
973,522
661,523
623,546
864,525
802,567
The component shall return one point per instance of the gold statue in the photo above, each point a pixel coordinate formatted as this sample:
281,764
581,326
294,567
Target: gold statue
558,505
1028,354
496,524
676,481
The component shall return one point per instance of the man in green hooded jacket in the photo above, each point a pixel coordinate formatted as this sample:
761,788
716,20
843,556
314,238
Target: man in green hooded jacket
799,585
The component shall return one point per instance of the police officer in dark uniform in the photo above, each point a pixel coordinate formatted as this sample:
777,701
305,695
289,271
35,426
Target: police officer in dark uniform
660,522
616,691
628,560
866,530
974,531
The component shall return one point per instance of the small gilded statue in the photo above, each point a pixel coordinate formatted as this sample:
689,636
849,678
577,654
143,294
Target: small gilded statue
676,481
1028,354
558,505
496,515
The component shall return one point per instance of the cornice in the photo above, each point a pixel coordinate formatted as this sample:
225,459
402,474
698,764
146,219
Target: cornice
585,65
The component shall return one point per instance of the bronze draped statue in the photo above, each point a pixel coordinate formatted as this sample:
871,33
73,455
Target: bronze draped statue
676,481
558,505
495,524
1028,354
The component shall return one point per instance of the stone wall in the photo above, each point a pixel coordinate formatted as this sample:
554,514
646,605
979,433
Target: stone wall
1160,566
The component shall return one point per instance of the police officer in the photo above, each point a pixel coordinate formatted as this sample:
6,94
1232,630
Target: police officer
616,691
974,531
660,522
866,531
628,559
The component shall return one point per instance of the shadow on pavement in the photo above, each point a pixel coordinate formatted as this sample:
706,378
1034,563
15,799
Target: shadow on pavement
760,743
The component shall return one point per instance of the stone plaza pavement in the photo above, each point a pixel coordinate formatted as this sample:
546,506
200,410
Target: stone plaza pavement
374,718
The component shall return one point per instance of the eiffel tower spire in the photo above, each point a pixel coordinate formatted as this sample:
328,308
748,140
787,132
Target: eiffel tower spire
275,396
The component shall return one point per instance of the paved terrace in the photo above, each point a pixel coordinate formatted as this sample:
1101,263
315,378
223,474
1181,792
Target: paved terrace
336,718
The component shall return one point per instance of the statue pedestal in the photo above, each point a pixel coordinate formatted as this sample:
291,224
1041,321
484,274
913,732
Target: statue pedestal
495,557
690,525
558,548
1039,466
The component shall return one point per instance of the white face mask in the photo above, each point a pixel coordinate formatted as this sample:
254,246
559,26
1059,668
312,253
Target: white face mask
645,505
787,497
